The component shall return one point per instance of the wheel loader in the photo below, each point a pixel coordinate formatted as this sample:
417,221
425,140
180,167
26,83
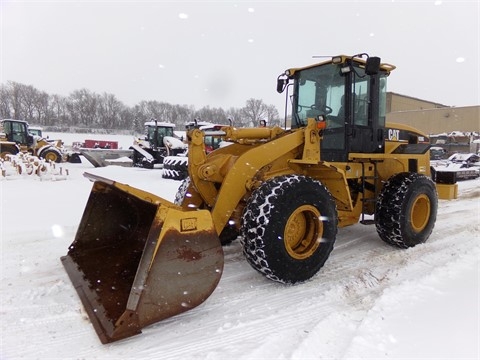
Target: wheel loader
284,192
15,137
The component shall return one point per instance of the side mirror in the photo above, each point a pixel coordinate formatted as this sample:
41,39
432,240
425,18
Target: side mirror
282,82
373,65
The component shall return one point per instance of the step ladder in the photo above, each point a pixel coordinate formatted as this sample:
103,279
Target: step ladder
373,188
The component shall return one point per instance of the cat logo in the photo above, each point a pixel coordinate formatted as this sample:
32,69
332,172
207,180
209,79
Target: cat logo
188,224
393,135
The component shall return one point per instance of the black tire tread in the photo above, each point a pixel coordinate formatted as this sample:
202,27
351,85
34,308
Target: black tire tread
392,207
263,224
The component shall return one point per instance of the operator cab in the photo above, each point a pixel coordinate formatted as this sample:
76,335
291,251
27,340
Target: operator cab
349,95
155,131
17,131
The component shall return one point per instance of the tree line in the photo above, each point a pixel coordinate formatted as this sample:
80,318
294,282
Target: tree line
84,109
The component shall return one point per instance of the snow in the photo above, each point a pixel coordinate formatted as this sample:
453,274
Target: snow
369,301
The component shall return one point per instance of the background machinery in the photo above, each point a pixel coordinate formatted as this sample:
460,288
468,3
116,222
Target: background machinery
159,142
137,258
176,166
15,138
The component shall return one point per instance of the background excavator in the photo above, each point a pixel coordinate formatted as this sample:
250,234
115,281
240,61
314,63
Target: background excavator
137,258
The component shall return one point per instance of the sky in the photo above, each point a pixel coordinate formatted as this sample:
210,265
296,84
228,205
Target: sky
222,53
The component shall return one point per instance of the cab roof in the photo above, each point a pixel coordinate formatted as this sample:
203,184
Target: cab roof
341,59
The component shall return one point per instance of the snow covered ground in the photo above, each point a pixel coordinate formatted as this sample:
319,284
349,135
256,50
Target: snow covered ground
369,301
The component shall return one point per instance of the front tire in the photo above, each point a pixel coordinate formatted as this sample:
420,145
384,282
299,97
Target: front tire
8,149
182,192
406,210
51,155
289,228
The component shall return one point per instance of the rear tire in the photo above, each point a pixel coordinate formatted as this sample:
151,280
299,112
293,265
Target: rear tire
406,210
289,228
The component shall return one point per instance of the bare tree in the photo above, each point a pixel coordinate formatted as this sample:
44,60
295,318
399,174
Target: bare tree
235,116
273,118
41,107
15,92
161,111
27,95
82,106
213,115
58,112
254,111
109,111
127,119
5,108
182,114
86,109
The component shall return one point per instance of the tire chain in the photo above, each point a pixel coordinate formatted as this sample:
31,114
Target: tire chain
182,191
256,214
394,188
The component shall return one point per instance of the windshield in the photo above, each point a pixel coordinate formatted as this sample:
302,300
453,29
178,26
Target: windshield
161,132
319,91
36,132
16,131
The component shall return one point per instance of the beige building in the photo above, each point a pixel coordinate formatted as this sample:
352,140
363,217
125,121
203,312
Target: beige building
431,117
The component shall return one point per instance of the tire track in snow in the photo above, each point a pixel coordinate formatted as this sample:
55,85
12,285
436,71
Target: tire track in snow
358,272
409,265
339,285
245,306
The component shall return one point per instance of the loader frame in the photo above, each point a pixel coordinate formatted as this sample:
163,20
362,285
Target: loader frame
270,152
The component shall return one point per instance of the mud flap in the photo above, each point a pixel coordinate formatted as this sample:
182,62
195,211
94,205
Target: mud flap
137,259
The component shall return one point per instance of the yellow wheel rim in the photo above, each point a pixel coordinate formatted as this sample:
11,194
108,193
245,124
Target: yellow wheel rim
303,232
51,157
420,213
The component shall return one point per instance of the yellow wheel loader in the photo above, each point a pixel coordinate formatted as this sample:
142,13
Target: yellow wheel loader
137,258
15,137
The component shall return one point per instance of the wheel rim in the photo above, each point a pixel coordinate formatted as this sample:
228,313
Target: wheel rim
420,213
303,232
51,156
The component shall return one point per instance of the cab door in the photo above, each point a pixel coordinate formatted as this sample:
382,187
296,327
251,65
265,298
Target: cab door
366,123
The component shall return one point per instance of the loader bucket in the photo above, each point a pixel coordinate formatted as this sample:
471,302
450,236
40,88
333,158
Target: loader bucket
137,259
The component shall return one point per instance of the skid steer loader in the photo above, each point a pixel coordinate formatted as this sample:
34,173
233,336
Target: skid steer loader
137,258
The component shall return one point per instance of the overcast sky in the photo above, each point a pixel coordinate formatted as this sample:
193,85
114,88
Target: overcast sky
221,53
